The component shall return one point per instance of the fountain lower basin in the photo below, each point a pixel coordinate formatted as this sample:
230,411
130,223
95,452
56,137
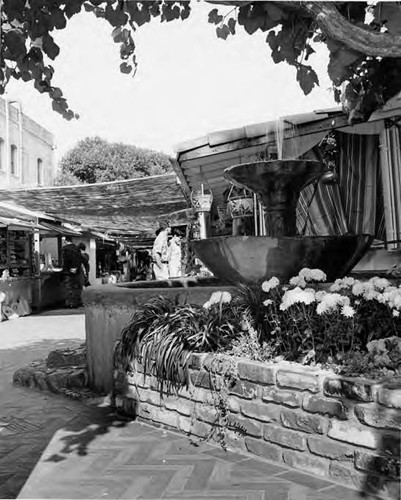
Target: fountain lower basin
252,259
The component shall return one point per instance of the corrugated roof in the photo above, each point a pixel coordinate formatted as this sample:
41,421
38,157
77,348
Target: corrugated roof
203,160
254,130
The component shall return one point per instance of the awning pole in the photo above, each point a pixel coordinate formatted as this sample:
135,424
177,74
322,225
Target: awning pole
255,213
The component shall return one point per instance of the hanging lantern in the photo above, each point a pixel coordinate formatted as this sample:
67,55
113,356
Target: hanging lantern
201,201
240,203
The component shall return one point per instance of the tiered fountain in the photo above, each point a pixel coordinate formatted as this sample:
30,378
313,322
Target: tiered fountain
281,252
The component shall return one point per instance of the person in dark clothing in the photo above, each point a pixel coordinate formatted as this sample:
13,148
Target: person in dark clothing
72,273
85,264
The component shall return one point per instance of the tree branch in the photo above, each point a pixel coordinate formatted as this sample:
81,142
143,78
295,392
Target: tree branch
338,28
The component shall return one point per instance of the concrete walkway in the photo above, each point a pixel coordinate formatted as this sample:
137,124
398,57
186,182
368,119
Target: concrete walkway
77,451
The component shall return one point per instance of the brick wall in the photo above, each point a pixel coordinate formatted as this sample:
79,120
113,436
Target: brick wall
343,428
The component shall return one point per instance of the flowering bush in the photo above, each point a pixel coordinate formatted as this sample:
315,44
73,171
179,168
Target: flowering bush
309,322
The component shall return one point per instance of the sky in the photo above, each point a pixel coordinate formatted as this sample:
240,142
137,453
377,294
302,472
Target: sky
189,83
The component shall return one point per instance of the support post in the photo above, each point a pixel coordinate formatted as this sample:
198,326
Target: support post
92,261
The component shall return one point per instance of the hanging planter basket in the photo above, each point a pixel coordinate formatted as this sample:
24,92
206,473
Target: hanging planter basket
201,201
240,204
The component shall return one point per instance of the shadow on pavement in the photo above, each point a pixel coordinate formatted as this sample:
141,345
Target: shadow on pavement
82,431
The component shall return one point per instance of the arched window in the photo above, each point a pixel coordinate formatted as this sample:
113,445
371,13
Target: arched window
13,169
2,163
39,172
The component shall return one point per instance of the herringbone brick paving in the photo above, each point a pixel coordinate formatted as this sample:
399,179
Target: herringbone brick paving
133,460
29,419
79,452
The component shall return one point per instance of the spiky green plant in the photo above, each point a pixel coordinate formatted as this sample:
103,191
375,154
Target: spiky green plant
163,334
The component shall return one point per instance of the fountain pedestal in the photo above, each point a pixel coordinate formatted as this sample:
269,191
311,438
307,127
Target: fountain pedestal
278,184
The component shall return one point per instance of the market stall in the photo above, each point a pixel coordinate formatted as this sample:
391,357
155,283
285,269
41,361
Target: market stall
30,260
17,267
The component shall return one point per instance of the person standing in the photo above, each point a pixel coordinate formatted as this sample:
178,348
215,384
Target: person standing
85,264
174,257
160,253
72,273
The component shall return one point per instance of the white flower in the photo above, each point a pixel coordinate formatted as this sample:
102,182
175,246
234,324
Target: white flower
339,284
348,311
347,281
396,313
358,289
269,285
330,302
320,295
217,298
297,295
321,308
379,283
267,302
397,301
298,281
312,274
371,294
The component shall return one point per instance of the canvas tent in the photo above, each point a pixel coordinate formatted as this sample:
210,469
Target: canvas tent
129,207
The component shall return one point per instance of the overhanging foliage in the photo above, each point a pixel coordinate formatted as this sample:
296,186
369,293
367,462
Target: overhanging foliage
364,41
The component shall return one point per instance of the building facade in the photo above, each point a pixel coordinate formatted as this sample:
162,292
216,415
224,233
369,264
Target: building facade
27,156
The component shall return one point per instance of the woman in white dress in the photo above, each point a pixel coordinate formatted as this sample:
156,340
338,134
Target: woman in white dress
174,260
160,254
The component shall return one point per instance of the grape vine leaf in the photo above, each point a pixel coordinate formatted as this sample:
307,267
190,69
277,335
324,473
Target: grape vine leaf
125,68
214,17
307,78
223,31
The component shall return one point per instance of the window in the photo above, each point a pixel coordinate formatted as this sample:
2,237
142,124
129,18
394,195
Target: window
24,168
2,165
13,169
39,172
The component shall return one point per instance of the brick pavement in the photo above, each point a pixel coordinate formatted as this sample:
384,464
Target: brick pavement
29,419
77,451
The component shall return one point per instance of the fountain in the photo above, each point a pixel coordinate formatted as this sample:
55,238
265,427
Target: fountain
232,259
281,253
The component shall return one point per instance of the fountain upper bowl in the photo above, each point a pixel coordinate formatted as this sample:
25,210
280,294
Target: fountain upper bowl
253,259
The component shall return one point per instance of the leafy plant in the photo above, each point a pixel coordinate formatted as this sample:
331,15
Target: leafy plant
163,335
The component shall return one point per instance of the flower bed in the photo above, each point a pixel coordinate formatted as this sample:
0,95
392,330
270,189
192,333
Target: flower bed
352,327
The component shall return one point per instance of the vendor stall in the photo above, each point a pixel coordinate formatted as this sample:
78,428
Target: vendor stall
30,263
17,267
